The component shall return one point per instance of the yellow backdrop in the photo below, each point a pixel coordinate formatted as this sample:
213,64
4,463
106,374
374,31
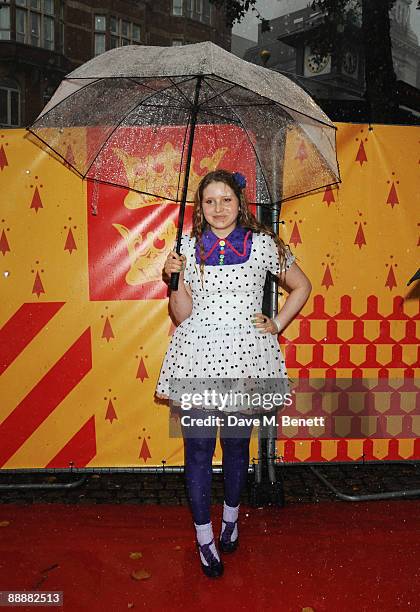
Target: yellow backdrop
84,314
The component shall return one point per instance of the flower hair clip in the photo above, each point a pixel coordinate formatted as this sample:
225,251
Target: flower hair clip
239,179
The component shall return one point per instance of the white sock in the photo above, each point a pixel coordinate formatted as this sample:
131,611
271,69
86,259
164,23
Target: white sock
205,536
230,514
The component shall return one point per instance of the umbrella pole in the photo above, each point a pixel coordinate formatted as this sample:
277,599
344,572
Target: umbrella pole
194,113
266,485
276,487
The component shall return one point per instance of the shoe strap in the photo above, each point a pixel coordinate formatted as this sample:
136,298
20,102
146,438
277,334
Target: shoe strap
208,554
228,530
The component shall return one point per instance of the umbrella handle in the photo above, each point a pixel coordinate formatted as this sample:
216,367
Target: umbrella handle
174,281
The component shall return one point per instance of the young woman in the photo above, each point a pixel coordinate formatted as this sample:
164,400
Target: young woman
222,334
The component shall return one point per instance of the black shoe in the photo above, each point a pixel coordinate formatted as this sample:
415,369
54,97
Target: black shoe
214,568
225,544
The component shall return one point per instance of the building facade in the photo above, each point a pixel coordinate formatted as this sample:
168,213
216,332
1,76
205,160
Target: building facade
405,45
42,40
338,77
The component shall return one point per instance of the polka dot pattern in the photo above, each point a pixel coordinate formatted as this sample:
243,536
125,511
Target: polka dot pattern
218,339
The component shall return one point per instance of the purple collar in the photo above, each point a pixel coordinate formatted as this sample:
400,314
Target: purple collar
235,248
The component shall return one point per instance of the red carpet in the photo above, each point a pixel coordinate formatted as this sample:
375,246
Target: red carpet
328,556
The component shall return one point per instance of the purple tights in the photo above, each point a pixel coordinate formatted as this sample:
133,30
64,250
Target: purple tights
200,442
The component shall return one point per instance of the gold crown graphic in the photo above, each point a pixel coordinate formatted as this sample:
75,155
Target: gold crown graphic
147,259
160,174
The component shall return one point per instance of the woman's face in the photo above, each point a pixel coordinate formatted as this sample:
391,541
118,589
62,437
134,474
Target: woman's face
220,208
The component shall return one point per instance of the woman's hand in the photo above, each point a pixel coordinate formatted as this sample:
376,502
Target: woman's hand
264,324
180,302
175,263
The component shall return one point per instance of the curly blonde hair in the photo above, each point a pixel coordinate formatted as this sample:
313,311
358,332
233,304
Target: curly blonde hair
245,218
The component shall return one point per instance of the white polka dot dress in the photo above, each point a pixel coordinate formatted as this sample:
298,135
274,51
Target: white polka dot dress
218,339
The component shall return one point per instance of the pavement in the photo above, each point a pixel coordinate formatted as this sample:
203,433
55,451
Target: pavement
300,485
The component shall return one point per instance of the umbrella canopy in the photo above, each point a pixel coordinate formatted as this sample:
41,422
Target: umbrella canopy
415,277
291,143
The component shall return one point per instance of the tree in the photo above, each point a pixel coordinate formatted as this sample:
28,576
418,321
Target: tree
340,16
235,11
380,79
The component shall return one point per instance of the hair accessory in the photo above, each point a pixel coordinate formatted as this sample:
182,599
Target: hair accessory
239,179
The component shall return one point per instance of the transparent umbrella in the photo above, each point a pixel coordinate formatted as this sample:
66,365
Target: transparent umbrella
291,143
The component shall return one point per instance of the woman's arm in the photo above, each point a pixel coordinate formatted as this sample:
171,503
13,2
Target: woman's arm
180,301
299,288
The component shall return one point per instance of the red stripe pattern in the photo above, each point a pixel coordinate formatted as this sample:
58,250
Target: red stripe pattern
79,450
22,328
47,394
